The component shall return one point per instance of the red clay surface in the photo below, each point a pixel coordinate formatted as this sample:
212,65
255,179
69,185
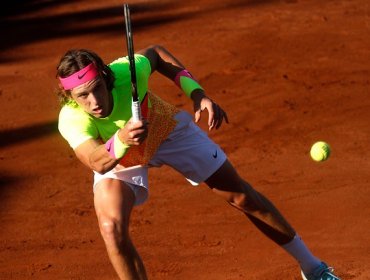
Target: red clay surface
289,73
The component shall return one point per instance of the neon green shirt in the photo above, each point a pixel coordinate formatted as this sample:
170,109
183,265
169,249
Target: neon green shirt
77,126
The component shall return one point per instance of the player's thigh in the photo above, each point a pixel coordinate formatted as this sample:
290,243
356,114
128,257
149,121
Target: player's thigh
225,178
113,201
228,184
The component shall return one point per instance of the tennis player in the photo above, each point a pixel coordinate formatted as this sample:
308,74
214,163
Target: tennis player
95,119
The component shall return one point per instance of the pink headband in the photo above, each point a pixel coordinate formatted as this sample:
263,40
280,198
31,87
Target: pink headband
80,77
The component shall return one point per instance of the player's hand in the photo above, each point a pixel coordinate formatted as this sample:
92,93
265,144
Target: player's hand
134,133
216,115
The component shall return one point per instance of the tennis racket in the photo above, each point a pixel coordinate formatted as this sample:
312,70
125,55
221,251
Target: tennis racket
135,107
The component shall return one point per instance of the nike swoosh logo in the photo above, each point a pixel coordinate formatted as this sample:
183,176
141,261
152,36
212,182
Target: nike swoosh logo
215,154
81,76
108,146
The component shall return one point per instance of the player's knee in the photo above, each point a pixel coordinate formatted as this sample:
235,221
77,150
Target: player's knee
238,200
247,200
108,229
112,232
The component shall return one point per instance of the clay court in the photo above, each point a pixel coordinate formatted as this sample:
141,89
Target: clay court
288,73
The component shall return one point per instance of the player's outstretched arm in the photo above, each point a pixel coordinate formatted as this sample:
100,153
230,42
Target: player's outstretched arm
164,62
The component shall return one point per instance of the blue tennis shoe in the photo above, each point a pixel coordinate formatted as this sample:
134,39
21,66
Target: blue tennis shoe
322,272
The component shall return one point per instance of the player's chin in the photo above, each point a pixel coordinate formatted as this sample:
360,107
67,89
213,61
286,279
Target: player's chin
96,115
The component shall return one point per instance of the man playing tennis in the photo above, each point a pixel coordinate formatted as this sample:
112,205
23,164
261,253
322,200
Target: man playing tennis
95,119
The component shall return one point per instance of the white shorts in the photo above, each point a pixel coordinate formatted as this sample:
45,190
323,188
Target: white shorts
187,149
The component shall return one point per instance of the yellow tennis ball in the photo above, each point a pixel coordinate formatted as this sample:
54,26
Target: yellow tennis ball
320,151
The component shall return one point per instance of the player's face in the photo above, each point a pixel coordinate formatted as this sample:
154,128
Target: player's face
94,98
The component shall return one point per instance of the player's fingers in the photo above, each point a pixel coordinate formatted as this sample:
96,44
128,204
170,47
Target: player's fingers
211,119
138,138
197,115
219,116
219,122
136,132
138,124
223,117
136,142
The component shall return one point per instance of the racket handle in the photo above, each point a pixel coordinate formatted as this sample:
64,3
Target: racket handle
136,111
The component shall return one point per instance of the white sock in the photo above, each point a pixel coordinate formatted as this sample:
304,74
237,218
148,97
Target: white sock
298,250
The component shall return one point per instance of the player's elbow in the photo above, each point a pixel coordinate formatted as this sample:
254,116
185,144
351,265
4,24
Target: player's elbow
157,53
157,48
100,167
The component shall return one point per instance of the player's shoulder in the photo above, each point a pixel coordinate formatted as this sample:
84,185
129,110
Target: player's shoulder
124,60
121,64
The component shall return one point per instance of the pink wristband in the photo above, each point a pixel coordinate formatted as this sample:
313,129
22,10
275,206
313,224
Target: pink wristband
182,73
109,146
186,82
115,147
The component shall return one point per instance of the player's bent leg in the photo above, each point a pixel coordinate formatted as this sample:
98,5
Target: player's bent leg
113,201
228,184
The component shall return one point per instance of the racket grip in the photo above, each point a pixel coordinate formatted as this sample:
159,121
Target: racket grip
136,111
